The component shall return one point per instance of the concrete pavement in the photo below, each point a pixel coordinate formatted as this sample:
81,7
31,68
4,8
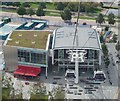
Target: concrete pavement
1,55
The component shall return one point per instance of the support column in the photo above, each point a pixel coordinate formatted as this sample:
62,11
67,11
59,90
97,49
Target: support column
99,57
93,60
76,68
30,56
46,64
52,56
46,73
87,66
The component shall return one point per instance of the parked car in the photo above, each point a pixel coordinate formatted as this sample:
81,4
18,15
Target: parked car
27,83
117,61
113,64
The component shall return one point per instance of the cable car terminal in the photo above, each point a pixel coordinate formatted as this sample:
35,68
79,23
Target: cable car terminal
84,61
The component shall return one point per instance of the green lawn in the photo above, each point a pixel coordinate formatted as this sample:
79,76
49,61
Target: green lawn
50,6
86,17
36,97
27,37
97,10
33,5
5,93
48,13
8,10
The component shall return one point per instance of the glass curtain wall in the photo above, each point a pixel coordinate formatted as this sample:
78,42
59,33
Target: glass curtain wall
31,57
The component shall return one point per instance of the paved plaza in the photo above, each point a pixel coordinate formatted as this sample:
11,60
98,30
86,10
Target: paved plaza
86,89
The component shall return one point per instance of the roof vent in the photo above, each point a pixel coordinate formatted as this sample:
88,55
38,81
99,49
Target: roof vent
60,35
33,42
17,42
35,35
20,34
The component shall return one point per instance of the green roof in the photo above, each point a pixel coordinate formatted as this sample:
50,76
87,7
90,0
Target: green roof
29,39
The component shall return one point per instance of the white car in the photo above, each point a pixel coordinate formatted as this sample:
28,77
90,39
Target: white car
1,52
70,75
99,76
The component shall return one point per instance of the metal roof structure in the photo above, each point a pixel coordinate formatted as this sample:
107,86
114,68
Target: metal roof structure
88,38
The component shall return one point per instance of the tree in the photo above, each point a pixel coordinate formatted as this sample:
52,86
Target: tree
101,4
59,94
114,38
101,38
59,6
21,11
105,52
30,12
17,4
106,28
42,4
100,19
73,6
117,46
26,4
40,11
39,88
89,7
107,61
7,3
104,49
66,14
111,19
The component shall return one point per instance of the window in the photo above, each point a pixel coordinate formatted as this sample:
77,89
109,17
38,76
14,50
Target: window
23,56
31,57
39,58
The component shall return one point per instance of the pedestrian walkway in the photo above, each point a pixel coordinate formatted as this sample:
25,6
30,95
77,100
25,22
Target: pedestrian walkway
1,56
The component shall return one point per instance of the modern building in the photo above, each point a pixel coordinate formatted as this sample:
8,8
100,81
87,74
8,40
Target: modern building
26,52
88,40
26,49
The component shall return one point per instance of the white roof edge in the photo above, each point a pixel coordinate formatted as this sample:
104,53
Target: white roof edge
7,39
98,39
78,48
53,40
48,40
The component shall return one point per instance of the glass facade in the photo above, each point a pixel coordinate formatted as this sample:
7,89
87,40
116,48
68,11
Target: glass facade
29,56
92,58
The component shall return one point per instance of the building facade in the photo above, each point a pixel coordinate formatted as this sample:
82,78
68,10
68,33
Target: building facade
27,48
88,40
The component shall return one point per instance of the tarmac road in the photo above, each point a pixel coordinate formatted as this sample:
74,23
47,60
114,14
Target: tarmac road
49,18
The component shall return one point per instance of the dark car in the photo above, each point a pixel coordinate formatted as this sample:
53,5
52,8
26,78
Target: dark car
26,83
84,23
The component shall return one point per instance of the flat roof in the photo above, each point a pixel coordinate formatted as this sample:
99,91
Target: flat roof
7,28
29,39
87,37
39,25
28,24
